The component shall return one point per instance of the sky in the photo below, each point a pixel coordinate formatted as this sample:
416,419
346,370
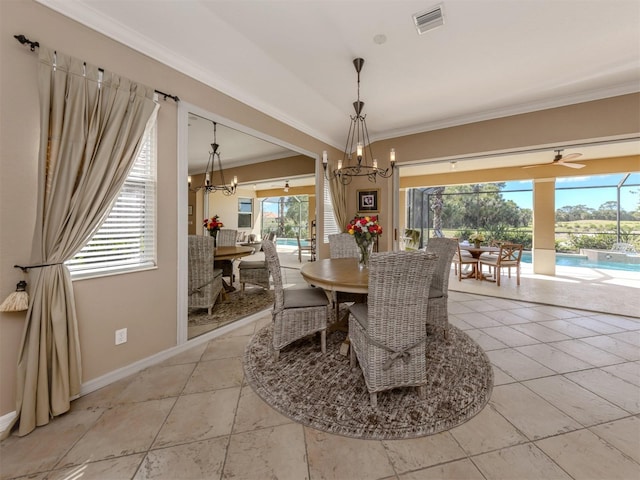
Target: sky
591,197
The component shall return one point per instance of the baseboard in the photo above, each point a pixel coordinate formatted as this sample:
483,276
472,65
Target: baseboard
115,375
111,377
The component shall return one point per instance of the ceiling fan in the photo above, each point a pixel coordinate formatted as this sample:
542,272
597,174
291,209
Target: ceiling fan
560,159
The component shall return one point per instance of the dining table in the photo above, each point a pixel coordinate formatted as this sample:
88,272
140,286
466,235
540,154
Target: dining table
231,253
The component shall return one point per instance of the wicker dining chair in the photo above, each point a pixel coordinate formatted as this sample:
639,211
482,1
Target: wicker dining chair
438,313
343,245
387,333
204,282
297,312
508,257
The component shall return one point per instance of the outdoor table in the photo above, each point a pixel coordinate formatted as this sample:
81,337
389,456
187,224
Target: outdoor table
475,253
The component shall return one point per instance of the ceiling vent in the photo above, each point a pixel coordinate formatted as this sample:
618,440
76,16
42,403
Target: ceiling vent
428,20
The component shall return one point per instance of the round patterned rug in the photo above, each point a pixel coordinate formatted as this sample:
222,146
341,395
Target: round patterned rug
322,391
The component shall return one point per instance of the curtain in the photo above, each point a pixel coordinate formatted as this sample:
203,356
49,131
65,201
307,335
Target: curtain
338,200
91,127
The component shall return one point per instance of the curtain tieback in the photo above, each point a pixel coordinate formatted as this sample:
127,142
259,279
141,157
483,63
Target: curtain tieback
28,267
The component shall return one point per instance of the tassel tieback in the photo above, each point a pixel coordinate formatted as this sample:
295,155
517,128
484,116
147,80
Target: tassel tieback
18,300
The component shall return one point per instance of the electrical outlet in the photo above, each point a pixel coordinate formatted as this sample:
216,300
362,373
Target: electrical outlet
121,336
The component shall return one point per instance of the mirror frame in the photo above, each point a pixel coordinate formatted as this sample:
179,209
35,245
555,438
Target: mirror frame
182,168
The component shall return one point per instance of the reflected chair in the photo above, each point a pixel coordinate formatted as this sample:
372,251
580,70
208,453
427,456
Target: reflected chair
462,258
302,248
255,272
226,238
205,282
387,334
508,257
297,312
438,314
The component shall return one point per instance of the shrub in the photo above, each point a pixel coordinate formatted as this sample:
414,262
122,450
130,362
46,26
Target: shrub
598,241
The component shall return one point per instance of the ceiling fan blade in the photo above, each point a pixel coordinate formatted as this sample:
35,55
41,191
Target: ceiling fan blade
571,165
571,156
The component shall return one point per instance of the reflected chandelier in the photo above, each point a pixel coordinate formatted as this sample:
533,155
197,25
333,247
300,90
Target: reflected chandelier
365,165
229,189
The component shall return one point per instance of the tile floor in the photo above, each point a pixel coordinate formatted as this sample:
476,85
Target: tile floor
566,404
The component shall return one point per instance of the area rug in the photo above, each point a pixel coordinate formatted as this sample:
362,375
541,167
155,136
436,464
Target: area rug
323,392
237,305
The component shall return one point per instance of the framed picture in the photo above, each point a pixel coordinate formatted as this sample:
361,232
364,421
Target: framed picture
190,209
368,200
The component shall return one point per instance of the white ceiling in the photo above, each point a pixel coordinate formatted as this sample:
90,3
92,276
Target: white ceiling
292,59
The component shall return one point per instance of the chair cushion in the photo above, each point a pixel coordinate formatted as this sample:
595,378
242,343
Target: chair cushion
360,312
435,292
252,264
304,297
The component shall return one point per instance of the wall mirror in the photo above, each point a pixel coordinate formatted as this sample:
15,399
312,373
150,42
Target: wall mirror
263,166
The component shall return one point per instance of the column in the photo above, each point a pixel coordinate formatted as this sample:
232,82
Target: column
544,229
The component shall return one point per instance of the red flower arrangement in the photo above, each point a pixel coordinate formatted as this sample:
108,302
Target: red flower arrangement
213,224
364,228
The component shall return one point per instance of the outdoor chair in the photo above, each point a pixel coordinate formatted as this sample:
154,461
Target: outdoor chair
205,282
461,258
387,333
508,257
297,312
438,312
226,238
302,248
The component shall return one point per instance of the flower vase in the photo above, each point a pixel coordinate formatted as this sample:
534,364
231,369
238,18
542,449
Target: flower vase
214,234
365,247
477,244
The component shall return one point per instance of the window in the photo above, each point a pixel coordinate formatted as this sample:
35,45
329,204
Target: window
126,240
330,225
245,212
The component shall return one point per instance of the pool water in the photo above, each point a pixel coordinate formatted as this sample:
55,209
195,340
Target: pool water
582,261
291,242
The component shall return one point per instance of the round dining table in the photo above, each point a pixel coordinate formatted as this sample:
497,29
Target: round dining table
230,253
337,275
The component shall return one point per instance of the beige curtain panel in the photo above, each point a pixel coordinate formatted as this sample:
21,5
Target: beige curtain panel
92,123
338,200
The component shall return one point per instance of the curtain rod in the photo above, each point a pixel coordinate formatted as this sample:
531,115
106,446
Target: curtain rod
33,45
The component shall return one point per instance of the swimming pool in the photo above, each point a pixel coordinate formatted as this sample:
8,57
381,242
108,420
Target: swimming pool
569,260
291,242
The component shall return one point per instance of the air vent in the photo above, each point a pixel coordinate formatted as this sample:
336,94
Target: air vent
428,20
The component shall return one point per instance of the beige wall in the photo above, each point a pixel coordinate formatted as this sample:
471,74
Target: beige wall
146,302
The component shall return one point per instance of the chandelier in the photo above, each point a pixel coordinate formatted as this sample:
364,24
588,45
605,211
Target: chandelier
365,164
227,189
